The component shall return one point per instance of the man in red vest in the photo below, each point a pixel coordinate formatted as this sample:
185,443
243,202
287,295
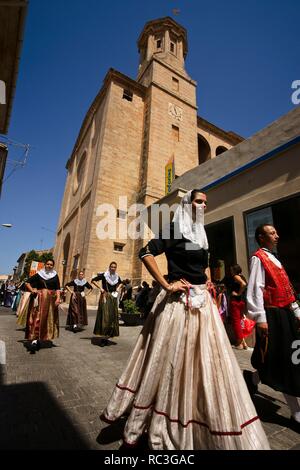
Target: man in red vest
271,302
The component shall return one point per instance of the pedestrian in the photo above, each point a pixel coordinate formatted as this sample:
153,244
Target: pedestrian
2,293
142,298
182,383
22,311
126,293
9,294
271,302
237,304
42,319
107,320
222,301
77,312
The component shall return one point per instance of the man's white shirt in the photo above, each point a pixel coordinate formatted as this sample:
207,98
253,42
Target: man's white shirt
255,289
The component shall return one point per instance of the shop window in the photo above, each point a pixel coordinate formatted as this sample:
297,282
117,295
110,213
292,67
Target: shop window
253,220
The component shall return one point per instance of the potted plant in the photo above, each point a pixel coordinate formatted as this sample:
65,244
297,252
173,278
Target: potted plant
132,315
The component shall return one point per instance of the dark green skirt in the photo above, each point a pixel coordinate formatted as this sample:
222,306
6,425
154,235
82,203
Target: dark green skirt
107,320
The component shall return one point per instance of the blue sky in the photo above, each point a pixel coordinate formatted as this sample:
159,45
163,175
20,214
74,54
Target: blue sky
244,56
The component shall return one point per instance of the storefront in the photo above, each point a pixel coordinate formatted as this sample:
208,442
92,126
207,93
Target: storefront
256,182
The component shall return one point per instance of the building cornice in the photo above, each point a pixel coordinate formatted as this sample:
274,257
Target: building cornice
167,66
169,92
164,23
230,136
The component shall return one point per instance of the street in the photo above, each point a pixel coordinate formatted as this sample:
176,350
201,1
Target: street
52,399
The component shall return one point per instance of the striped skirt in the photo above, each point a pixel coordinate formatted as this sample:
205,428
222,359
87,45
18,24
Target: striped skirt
183,384
42,319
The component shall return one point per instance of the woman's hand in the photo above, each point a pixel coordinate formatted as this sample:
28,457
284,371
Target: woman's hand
178,286
57,302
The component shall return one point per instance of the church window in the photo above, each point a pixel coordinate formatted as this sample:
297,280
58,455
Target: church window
175,84
79,173
127,95
175,133
76,261
220,150
158,44
173,44
118,246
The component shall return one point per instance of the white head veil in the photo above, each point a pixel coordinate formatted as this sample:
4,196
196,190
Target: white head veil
193,231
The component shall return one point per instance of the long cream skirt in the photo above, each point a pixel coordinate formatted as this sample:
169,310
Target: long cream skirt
183,385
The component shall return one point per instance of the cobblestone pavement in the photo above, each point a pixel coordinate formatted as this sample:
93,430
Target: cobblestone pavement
52,399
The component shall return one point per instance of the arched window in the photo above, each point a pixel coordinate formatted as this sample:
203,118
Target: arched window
220,150
80,168
66,251
204,152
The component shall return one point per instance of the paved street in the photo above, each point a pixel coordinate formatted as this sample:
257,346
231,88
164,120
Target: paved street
52,399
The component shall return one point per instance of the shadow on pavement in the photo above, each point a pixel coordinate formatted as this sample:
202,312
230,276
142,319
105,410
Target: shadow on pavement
112,433
267,411
31,418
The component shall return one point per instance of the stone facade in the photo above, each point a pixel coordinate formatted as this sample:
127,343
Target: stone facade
132,129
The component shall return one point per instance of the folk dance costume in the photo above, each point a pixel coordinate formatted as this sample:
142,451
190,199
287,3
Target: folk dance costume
182,383
22,310
270,298
43,319
77,312
107,320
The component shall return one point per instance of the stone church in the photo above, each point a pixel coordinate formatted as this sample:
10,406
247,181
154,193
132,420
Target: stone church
131,131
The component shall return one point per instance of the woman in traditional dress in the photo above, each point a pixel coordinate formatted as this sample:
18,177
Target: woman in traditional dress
237,304
183,384
43,319
77,313
107,320
22,310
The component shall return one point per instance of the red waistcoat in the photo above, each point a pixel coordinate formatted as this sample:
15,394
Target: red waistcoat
278,291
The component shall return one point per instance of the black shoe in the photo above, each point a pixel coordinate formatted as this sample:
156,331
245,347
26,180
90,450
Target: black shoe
252,389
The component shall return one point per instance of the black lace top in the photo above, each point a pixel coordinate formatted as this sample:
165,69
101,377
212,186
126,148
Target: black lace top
184,259
105,285
37,282
77,288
